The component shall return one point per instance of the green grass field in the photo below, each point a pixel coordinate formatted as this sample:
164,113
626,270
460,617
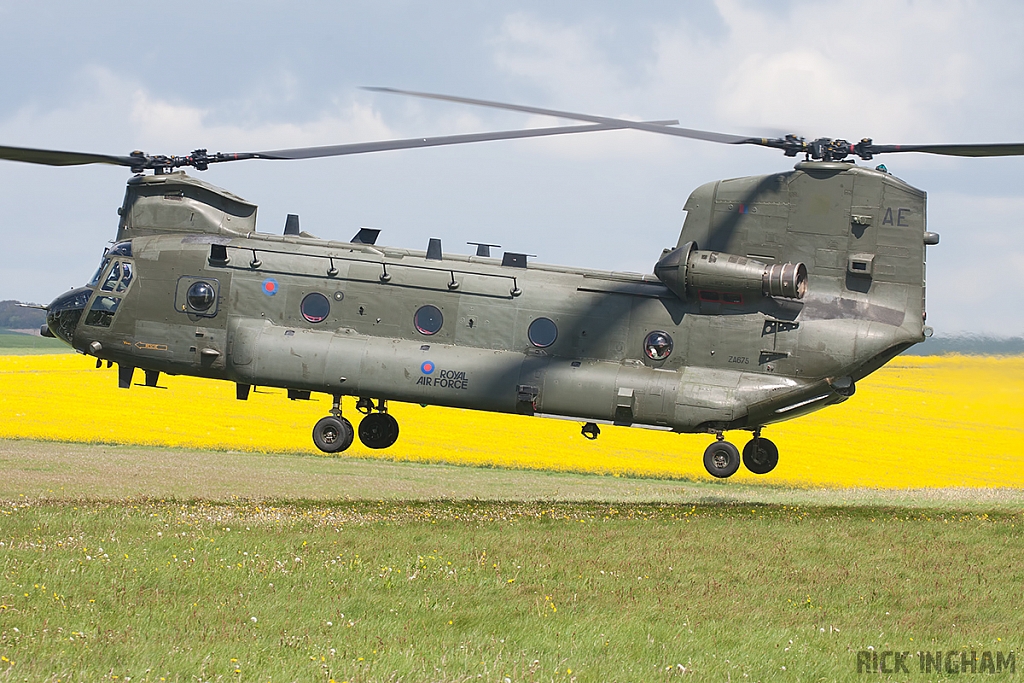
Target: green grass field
153,564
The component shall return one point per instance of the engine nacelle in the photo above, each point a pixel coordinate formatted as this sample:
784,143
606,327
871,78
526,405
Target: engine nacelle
728,278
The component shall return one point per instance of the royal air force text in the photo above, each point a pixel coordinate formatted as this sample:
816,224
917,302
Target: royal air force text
446,379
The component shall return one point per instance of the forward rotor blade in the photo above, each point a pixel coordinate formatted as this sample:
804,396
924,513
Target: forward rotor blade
200,159
638,125
1003,149
52,157
412,143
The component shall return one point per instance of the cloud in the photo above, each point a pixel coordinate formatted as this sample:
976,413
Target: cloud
572,63
884,68
112,114
902,70
562,61
180,124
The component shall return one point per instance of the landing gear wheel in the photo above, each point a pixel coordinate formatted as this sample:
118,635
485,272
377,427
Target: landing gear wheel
760,455
378,430
333,434
721,459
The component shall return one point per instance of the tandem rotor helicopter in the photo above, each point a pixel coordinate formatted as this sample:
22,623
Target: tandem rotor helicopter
781,292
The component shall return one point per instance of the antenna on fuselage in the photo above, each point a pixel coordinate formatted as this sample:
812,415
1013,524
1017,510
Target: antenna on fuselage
366,236
484,249
291,224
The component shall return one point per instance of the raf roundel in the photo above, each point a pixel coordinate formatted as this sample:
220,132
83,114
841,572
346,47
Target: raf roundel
427,367
270,286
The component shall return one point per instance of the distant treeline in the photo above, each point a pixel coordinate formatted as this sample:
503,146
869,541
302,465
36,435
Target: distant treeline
969,344
12,317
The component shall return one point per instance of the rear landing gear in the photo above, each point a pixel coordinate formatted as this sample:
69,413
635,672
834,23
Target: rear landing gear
378,429
722,459
760,455
333,434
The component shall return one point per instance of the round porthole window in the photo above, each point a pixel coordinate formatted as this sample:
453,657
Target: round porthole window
428,319
543,332
315,307
658,345
200,296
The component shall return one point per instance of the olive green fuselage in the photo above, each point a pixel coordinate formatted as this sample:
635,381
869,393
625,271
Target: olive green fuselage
737,360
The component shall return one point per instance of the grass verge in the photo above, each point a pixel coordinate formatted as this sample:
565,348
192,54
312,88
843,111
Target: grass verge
146,564
18,344
494,591
70,471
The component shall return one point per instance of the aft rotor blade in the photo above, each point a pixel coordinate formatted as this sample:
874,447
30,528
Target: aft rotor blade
53,157
1001,149
638,125
412,143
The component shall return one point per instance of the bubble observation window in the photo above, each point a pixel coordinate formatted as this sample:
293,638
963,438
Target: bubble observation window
658,345
542,333
428,319
201,296
315,307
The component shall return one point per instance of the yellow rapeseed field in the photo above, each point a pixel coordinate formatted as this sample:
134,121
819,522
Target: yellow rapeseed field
918,422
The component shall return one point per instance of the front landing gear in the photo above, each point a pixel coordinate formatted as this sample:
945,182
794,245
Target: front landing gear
721,459
333,434
378,429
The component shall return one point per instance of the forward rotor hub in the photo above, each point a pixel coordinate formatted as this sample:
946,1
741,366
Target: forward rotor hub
824,149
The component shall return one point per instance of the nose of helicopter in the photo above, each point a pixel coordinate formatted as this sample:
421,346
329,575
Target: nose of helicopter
63,314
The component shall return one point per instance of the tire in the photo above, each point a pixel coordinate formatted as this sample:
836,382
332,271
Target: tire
333,434
721,459
761,459
378,430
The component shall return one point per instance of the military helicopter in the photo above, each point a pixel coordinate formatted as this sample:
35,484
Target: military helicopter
781,293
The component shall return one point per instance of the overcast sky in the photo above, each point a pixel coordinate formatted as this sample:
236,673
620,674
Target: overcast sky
167,78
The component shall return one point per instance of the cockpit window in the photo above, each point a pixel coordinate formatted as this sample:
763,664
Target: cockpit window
102,311
121,249
99,271
112,277
126,276
119,277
